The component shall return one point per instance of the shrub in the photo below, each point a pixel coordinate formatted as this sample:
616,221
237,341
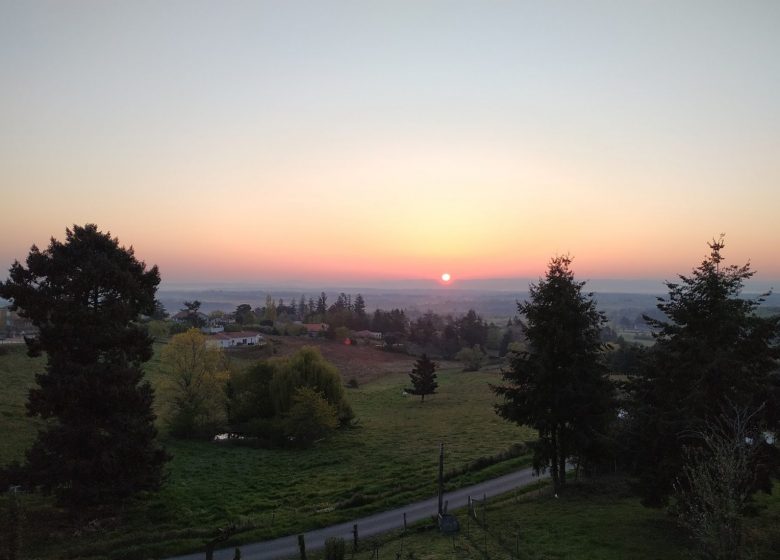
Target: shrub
283,399
335,549
311,417
159,329
249,393
307,368
472,358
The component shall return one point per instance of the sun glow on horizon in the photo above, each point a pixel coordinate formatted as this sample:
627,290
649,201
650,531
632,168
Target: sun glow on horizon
348,156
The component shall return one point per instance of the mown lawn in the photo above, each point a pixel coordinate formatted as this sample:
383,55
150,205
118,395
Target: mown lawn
390,458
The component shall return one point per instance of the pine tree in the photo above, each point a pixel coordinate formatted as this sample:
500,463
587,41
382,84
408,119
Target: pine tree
472,330
559,385
359,318
506,339
423,377
84,296
712,353
322,305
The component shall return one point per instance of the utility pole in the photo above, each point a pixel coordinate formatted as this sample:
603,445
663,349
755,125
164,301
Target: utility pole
441,479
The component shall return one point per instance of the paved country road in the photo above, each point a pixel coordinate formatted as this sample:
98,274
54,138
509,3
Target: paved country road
286,547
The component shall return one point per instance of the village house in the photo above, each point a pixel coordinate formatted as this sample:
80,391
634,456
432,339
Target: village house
316,329
233,339
368,335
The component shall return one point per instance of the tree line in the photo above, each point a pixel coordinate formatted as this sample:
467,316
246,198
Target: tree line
696,417
467,337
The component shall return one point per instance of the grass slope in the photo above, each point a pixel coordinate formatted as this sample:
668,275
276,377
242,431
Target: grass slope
17,375
593,520
389,459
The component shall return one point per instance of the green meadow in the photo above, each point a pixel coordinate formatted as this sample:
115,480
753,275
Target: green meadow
388,458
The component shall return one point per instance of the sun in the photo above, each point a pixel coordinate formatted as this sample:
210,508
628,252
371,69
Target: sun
446,277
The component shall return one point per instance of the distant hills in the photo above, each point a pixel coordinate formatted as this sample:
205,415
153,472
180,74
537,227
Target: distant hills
493,304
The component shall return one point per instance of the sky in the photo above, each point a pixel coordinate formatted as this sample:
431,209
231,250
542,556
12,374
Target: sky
378,141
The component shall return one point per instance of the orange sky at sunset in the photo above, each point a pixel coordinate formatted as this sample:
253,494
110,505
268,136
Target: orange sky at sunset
387,141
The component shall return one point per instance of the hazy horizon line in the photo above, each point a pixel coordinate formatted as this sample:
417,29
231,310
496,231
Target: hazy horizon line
518,284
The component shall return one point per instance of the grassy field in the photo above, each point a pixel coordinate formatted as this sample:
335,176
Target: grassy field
593,520
390,458
17,375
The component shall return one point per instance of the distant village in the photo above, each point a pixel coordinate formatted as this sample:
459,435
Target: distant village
246,326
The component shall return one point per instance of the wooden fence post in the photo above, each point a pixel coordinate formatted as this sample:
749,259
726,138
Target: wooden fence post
484,522
302,546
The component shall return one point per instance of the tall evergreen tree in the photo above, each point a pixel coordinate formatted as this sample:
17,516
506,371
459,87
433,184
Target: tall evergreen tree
312,308
244,314
359,306
712,353
472,330
423,330
423,377
559,385
322,305
84,296
359,317
506,339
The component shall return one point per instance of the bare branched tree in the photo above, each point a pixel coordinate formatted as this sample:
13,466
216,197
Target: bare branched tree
717,481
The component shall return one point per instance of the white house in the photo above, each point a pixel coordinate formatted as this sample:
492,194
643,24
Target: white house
232,339
369,335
